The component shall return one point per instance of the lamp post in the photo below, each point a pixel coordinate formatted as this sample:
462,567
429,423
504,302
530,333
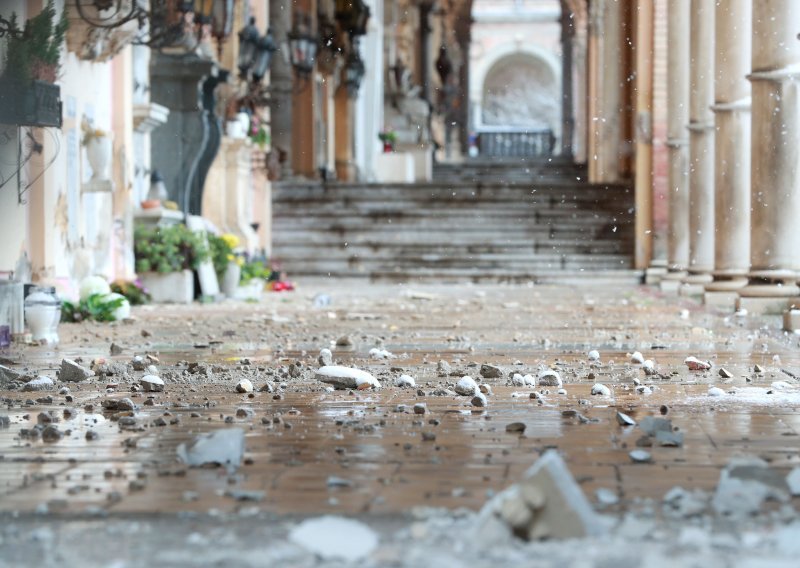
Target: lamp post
354,71
302,48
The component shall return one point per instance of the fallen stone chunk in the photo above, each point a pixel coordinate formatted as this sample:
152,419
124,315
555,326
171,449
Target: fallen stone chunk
325,357
549,378
695,364
405,381
244,386
344,341
443,368
637,358
649,368
745,484
758,368
485,389
606,497
335,538
600,390
346,377
480,400
138,363
669,439
716,391
625,420
725,373
685,503
52,434
39,384
594,355
515,427
9,375
115,349
221,447
420,408
152,383
71,372
640,456
651,425
491,371
548,503
793,482
466,386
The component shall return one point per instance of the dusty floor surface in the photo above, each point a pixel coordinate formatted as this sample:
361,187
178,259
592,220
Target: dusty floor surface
124,498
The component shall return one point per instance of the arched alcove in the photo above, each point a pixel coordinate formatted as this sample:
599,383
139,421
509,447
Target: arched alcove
521,90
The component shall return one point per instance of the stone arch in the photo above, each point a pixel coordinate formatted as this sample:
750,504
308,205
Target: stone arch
520,77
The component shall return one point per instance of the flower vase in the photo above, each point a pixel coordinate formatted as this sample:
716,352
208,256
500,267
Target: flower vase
388,147
98,152
230,279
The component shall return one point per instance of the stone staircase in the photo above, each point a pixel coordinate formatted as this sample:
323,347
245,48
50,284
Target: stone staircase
462,226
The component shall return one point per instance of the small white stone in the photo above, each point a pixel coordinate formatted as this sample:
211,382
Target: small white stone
715,391
606,496
244,386
486,389
325,357
640,456
380,354
637,358
695,364
466,386
649,367
625,420
405,381
600,390
335,538
152,383
562,391
594,355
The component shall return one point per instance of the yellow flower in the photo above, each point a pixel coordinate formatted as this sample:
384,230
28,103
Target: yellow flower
231,240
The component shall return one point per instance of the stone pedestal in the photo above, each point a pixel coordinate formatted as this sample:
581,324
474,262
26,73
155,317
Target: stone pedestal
394,167
724,300
178,147
775,190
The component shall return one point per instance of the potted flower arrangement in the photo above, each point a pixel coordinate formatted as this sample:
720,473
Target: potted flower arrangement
28,96
227,262
258,133
165,260
389,139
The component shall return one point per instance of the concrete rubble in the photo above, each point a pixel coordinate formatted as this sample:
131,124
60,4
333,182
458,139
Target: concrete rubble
222,447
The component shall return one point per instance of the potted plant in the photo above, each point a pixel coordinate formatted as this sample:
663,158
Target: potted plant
389,139
165,260
28,96
227,262
255,275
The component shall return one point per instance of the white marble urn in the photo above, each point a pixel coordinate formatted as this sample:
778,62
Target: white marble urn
99,150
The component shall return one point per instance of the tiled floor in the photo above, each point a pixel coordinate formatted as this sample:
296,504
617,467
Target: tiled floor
378,451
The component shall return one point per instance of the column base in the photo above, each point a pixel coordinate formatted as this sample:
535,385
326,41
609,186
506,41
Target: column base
671,281
694,284
725,300
654,275
727,283
791,320
766,306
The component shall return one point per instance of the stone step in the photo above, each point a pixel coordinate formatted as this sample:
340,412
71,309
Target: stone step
406,242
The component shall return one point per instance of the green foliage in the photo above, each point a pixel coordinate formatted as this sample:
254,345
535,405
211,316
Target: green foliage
168,249
254,269
36,53
221,253
94,308
134,292
260,136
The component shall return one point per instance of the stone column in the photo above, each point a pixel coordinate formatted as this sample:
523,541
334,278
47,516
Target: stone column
678,16
643,105
567,110
701,147
775,184
732,147
281,82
